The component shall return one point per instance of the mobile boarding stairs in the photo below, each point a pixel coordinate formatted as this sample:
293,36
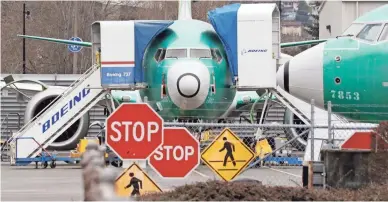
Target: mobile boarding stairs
31,140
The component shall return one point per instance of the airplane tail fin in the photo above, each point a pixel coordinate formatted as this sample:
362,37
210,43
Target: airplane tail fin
62,41
184,10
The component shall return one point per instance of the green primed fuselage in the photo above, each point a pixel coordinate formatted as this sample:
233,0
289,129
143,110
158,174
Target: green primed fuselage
350,71
362,69
188,34
363,78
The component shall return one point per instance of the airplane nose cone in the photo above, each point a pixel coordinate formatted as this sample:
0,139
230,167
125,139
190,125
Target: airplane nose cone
302,76
188,84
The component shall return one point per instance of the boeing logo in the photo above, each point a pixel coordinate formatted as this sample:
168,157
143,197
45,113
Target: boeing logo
68,106
244,51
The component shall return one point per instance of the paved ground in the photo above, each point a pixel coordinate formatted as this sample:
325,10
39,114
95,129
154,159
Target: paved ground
64,183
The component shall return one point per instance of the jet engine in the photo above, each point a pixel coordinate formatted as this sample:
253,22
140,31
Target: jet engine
70,138
299,143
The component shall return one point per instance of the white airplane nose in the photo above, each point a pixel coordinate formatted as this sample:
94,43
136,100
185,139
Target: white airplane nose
302,76
188,84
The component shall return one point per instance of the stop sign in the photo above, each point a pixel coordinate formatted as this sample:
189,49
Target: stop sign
178,156
134,131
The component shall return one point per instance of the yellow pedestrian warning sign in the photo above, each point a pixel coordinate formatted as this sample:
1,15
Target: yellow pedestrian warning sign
134,182
227,155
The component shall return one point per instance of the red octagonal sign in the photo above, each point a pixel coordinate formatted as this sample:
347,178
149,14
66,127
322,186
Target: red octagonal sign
134,131
178,156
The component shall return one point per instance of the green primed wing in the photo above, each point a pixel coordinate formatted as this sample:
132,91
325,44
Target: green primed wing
89,44
301,43
69,42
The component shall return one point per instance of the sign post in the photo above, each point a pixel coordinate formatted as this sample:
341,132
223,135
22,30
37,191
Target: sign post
178,156
134,131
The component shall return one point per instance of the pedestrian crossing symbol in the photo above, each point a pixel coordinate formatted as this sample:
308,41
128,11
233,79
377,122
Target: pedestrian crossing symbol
227,155
134,182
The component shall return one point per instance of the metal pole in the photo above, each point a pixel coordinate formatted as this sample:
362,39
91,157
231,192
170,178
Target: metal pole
280,6
264,108
75,55
24,40
330,143
312,129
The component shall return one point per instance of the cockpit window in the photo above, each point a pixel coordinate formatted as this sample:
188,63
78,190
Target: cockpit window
216,55
353,29
200,53
176,53
369,32
384,34
160,54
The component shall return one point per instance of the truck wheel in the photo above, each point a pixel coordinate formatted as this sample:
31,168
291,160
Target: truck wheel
44,164
53,164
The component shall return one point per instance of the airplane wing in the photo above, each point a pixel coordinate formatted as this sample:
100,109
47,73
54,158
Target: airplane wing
62,41
301,43
89,44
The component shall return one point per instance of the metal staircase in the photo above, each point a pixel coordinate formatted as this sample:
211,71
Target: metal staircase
289,105
59,115
9,128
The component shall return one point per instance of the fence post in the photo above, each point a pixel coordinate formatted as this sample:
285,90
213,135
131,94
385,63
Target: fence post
312,129
329,129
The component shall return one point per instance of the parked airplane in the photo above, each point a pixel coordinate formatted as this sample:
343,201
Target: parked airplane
187,74
350,70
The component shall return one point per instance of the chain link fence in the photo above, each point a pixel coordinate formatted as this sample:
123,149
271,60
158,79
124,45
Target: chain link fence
280,149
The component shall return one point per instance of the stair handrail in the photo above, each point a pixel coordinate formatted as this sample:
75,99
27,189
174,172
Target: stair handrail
6,142
6,120
66,92
7,116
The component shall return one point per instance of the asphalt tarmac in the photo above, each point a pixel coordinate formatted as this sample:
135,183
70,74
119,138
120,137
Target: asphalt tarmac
64,183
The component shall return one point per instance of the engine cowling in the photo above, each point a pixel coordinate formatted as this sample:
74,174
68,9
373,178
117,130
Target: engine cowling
70,138
301,142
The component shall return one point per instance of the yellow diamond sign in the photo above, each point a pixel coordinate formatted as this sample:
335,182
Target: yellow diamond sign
227,155
134,181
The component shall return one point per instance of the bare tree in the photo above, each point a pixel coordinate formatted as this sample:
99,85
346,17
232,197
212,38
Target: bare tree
50,19
55,19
